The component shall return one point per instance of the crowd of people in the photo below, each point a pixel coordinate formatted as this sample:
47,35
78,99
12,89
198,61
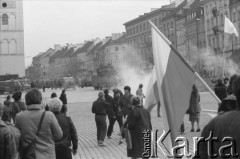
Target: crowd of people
45,131
31,130
130,114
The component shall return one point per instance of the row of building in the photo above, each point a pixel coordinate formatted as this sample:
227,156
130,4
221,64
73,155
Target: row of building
193,26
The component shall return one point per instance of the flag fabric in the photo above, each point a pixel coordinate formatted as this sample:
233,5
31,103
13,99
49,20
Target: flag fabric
152,96
229,27
175,79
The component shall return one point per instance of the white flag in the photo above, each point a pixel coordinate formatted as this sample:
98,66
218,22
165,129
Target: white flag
229,27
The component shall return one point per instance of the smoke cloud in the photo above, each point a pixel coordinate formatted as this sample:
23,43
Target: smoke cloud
130,73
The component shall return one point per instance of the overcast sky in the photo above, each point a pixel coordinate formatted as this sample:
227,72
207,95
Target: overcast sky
72,21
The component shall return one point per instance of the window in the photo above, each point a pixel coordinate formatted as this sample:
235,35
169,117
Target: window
144,27
171,24
4,19
136,29
238,15
155,21
140,27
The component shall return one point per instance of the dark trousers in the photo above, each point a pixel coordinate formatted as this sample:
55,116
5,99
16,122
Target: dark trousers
182,128
112,122
101,127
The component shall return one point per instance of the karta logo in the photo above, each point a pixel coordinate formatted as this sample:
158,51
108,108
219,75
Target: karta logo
226,150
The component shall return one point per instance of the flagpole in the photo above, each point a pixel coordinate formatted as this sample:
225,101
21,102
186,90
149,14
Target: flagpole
224,58
190,67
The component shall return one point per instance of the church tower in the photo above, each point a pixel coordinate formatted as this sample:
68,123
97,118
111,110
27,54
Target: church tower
11,38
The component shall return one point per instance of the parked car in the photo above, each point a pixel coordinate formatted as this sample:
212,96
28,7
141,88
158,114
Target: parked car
10,86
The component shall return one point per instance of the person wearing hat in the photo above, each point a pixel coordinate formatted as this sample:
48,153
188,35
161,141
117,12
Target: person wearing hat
138,121
125,101
139,93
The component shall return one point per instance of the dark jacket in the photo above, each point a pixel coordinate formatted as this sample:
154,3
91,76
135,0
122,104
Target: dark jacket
125,103
110,101
6,142
221,91
16,107
101,107
225,125
63,98
116,107
7,103
138,121
69,132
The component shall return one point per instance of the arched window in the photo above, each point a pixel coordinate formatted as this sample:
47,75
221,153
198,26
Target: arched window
5,47
4,19
13,47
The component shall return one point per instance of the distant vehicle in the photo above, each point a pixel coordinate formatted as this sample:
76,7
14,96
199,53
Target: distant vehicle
101,82
25,84
8,77
69,83
10,86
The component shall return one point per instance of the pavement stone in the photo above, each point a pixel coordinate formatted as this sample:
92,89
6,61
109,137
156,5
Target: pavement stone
85,123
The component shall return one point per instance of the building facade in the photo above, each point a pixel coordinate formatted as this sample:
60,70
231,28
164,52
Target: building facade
195,35
11,38
139,36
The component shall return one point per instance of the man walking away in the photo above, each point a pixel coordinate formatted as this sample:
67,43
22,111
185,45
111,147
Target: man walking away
125,101
111,116
100,108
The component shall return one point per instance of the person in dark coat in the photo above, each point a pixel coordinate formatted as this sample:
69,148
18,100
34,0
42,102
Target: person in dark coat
125,101
111,116
220,89
63,98
117,114
231,84
6,118
7,102
7,140
194,107
222,126
101,108
70,137
17,106
137,122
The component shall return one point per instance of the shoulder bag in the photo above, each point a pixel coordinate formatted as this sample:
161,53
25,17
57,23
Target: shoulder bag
28,152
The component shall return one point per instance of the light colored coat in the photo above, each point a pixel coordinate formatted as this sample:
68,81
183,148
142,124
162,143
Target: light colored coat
27,122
